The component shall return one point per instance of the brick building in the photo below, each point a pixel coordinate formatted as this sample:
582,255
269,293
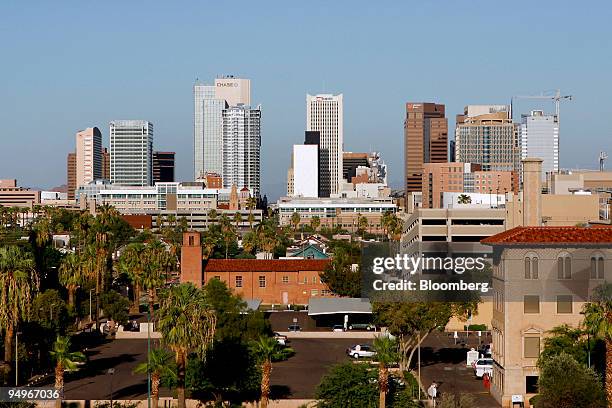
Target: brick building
272,281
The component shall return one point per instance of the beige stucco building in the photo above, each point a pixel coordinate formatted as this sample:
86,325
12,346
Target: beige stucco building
541,278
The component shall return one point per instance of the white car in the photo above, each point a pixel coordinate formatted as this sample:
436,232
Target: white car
483,366
361,351
338,328
280,339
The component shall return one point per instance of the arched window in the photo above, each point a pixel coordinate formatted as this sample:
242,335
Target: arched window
564,266
597,266
531,266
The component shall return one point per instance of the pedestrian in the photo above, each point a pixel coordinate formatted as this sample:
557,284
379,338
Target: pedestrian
432,391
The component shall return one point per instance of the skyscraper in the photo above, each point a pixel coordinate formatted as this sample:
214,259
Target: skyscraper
209,103
324,113
105,164
88,155
131,152
71,182
486,135
163,167
425,140
241,147
539,137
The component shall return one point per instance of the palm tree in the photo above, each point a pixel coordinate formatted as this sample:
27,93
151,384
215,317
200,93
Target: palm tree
598,321
237,219
251,205
249,241
71,275
267,350
295,221
187,324
18,282
133,264
386,354
153,259
315,222
227,232
362,224
212,215
64,360
208,244
158,365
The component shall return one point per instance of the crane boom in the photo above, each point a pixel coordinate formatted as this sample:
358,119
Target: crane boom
557,98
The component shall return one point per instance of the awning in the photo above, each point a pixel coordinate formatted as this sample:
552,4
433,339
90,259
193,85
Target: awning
326,306
253,304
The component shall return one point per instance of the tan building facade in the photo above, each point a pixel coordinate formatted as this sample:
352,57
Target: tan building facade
13,196
439,178
88,155
541,278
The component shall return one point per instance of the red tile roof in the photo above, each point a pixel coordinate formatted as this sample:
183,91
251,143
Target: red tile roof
265,265
552,235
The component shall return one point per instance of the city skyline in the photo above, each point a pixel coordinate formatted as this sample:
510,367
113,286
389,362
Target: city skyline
281,81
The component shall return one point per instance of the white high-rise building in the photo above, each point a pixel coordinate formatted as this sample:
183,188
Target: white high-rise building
539,137
305,165
324,114
241,147
209,103
131,152
88,155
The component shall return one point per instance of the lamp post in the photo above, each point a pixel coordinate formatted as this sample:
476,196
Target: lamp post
111,371
90,317
148,360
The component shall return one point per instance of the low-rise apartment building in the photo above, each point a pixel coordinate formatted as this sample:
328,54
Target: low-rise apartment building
343,212
541,278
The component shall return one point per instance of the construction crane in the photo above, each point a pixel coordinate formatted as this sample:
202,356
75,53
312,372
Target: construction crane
556,97
602,158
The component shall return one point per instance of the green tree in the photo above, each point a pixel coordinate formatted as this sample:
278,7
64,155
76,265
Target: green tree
340,277
115,307
50,311
18,284
267,351
348,385
187,325
159,365
212,215
64,360
411,322
580,389
237,219
249,241
598,320
386,354
464,199
572,341
362,224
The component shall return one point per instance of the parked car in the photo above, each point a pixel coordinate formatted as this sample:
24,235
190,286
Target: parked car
280,338
338,328
362,326
482,366
360,351
295,328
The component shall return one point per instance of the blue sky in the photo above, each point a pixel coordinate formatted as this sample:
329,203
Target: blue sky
66,65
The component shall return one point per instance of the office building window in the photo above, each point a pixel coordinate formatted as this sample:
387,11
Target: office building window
285,279
564,267
238,281
564,304
531,304
532,347
597,267
314,292
262,281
